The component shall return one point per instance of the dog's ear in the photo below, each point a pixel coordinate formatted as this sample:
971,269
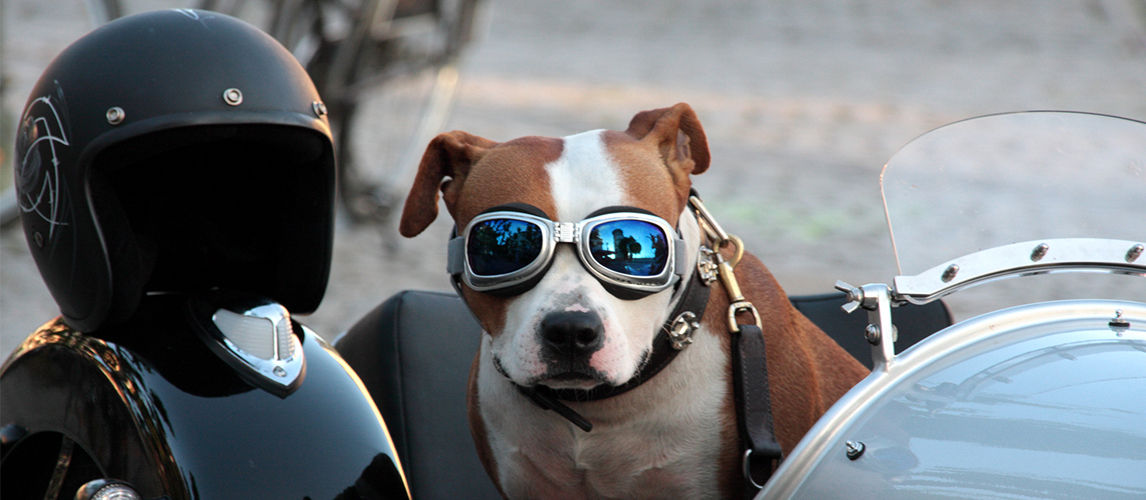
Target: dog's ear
448,157
677,133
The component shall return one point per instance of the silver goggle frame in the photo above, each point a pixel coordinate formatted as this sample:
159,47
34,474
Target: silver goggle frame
577,233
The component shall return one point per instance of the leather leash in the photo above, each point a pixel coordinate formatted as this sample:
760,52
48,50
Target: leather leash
749,363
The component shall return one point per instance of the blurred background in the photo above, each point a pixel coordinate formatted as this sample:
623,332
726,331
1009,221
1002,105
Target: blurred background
802,101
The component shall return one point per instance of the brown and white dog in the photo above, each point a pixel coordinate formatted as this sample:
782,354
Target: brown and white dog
673,436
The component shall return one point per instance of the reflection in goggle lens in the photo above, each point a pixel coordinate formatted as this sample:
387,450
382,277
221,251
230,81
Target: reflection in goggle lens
502,246
632,247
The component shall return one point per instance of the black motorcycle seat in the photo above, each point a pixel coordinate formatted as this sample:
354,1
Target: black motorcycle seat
414,351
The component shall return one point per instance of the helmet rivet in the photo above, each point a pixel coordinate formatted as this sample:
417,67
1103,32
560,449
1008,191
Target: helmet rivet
39,238
233,96
319,108
115,115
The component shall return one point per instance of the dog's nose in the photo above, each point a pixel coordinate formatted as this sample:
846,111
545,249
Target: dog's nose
573,332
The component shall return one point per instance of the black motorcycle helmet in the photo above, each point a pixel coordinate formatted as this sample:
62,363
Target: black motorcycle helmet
175,151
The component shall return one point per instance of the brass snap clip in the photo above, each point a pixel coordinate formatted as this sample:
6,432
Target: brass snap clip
726,267
735,296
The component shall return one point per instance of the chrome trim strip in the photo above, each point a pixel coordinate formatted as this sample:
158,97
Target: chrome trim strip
1020,259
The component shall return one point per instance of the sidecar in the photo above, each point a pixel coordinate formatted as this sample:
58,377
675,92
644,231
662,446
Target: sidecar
1042,400
414,351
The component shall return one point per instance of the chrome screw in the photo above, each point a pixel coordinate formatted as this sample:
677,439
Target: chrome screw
1118,321
949,273
233,96
1039,252
319,108
872,334
115,115
855,449
1134,252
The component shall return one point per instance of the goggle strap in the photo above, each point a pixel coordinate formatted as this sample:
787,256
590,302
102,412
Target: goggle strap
456,256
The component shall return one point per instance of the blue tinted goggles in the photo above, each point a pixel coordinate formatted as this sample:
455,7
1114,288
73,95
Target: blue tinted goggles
506,252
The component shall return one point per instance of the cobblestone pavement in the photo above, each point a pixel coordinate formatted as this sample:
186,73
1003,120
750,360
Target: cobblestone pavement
803,102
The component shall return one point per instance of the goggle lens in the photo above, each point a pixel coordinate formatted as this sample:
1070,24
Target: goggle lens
502,246
632,247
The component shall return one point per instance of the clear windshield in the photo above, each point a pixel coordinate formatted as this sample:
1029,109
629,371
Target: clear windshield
1010,178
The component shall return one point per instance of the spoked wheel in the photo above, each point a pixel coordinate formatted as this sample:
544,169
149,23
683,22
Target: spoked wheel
390,86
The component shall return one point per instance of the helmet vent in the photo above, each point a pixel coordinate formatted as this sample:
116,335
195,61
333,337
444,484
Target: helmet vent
264,331
252,335
262,341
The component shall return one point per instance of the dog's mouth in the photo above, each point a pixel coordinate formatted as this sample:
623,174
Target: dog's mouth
571,379
567,377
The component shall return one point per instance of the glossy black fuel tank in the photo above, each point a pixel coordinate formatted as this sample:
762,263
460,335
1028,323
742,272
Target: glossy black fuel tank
151,404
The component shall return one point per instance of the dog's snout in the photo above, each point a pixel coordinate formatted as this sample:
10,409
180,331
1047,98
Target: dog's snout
573,332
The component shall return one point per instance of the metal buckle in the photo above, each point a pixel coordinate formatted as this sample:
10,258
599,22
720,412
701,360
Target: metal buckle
680,332
743,305
746,463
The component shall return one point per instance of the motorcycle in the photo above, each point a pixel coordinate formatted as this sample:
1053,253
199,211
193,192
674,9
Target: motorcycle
168,406
1039,400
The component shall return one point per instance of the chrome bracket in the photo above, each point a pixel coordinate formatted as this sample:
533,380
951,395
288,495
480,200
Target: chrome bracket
876,298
